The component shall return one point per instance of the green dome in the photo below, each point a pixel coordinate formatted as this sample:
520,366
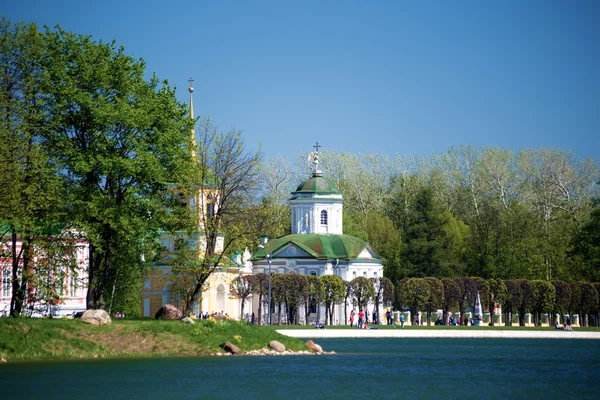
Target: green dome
324,247
317,184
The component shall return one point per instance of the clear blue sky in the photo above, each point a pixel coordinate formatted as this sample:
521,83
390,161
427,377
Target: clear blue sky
382,76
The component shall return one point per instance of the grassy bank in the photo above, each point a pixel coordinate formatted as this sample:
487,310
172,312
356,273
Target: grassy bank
25,339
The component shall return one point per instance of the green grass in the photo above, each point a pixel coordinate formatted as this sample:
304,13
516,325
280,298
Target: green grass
54,339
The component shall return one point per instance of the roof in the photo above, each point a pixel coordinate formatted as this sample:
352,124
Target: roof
317,184
324,247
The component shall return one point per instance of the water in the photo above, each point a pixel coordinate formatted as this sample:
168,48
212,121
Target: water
388,368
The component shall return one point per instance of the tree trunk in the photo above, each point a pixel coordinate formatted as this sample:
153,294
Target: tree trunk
189,307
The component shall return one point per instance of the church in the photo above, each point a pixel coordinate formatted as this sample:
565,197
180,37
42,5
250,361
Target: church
317,245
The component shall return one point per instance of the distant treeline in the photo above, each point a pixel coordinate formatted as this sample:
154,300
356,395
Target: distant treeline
486,212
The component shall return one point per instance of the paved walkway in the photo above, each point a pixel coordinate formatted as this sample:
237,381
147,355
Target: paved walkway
437,333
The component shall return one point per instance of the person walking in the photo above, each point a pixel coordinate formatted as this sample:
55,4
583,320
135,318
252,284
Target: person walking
361,318
352,318
402,319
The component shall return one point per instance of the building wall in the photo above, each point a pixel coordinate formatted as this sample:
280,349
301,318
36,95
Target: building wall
74,295
215,297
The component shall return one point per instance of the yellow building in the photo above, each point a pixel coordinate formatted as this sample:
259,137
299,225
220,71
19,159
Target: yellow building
162,286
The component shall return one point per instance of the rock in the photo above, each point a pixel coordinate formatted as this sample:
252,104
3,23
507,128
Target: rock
231,348
188,320
278,347
168,311
96,317
315,348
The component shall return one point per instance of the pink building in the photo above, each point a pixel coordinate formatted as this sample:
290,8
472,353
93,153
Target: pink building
58,284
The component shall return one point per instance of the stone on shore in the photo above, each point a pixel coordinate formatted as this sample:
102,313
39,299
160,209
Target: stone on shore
168,311
275,345
96,317
315,348
231,348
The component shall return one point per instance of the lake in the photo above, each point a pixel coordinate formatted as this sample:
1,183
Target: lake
388,368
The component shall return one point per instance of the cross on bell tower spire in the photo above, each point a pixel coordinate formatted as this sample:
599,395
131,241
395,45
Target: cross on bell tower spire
193,131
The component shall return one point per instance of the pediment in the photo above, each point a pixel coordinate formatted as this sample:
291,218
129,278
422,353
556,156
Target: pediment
291,251
366,253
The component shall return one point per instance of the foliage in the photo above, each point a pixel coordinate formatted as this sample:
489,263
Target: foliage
363,291
226,179
334,291
414,294
544,298
436,297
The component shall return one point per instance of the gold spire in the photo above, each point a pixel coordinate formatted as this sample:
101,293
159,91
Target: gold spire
193,132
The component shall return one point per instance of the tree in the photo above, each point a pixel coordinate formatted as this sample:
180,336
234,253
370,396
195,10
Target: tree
498,293
333,293
433,242
513,300
586,302
527,299
563,300
31,196
260,288
363,291
452,296
467,291
119,141
544,297
225,182
436,297
314,295
384,292
414,293
586,246
241,287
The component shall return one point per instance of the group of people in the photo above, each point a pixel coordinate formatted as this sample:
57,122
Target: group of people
566,326
362,318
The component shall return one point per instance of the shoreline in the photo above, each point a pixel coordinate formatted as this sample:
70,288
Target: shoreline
426,333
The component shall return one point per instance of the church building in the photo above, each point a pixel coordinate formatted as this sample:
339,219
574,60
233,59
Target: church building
162,286
317,245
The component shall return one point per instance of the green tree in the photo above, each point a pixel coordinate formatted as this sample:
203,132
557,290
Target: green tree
363,291
498,294
452,296
433,242
260,288
544,298
563,300
31,194
436,297
414,294
119,141
586,247
384,292
334,291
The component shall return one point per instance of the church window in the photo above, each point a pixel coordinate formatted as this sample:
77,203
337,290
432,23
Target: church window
323,217
354,274
313,273
210,210
365,274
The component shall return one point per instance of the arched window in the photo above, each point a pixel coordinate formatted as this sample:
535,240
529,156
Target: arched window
323,217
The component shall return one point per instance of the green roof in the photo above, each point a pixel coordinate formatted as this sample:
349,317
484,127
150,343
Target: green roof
317,184
323,247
